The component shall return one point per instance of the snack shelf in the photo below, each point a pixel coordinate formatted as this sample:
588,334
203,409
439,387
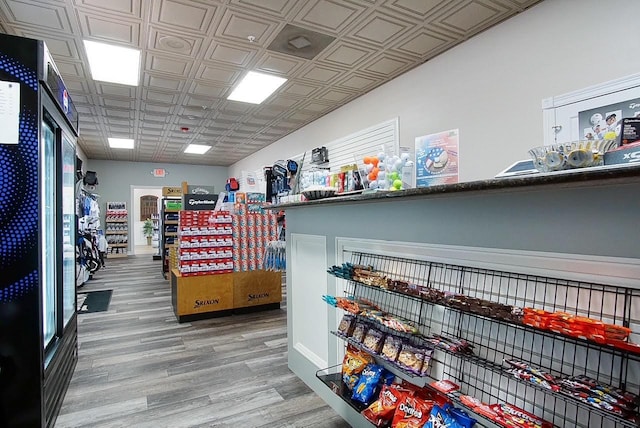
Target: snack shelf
123,232
497,334
120,220
169,222
524,327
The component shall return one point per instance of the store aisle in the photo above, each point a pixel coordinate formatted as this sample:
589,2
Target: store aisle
138,367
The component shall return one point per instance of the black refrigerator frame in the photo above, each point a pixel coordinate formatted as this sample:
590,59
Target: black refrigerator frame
34,379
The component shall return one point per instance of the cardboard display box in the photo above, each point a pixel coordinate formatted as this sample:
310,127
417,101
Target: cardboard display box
255,288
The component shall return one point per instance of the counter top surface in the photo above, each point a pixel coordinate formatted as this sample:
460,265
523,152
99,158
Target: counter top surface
596,176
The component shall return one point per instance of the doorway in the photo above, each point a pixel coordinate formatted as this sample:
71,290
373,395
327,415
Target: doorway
141,200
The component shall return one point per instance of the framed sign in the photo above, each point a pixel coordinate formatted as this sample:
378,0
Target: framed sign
437,158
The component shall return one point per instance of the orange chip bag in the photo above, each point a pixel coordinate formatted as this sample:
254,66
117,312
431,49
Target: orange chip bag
352,365
381,411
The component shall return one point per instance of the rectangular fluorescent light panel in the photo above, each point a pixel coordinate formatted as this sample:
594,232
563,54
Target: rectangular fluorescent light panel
113,64
197,149
120,143
256,87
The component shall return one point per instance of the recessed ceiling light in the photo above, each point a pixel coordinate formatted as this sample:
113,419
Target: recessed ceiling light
198,149
121,143
256,87
113,64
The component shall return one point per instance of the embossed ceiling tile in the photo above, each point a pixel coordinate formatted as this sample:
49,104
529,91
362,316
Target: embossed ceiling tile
150,132
152,108
279,8
359,82
282,101
346,54
238,26
184,14
80,100
415,8
335,95
230,54
220,74
59,46
472,16
165,97
281,64
120,122
39,15
317,107
123,104
319,73
300,89
302,117
116,90
387,65
125,7
329,15
174,42
235,107
380,29
168,65
423,43
163,82
109,28
110,112
209,91
70,69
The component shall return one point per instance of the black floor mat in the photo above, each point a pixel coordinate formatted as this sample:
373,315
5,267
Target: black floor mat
94,301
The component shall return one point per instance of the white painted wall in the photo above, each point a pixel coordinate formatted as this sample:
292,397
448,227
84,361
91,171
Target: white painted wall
490,87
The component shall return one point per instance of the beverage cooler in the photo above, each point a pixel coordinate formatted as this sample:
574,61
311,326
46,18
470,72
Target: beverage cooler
38,326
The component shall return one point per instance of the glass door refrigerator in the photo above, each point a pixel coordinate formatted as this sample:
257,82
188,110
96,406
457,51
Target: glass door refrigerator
38,326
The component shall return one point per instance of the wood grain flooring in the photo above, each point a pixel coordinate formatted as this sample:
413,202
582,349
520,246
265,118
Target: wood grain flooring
138,367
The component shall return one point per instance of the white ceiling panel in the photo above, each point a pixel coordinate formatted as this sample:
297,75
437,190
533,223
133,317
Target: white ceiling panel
195,51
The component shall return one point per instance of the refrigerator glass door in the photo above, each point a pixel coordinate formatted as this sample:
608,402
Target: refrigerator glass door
48,236
68,228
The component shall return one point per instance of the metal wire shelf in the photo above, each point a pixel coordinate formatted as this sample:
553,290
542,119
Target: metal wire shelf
483,375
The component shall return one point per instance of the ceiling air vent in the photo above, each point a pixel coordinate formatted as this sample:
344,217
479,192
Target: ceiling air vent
300,42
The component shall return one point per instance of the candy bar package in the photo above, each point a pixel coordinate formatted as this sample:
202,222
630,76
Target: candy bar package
539,377
373,340
347,324
411,358
445,386
599,394
380,412
359,331
367,385
391,348
510,415
412,412
428,353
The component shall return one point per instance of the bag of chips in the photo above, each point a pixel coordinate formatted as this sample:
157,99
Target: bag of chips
352,365
412,412
365,389
381,411
440,418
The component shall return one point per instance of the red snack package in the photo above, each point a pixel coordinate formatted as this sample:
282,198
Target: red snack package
381,411
510,415
412,412
445,386
470,402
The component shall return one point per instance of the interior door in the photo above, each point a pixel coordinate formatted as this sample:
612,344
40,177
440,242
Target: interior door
68,159
48,230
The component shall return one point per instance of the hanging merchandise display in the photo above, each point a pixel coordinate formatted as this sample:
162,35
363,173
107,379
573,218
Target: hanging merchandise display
117,229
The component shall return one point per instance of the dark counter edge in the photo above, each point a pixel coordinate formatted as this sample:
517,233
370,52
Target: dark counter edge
600,176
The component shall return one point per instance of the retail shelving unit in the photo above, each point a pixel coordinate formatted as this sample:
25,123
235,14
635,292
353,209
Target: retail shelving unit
556,242
117,229
483,307
156,236
169,219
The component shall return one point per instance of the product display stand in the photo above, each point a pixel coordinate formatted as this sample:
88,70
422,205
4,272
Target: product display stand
117,229
169,215
156,237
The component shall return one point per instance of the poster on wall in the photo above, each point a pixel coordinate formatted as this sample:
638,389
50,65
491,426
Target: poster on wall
603,122
437,158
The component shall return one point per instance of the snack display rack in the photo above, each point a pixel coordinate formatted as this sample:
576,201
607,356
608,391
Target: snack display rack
117,229
485,308
169,218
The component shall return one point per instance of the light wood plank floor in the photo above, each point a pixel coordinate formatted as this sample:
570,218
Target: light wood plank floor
138,367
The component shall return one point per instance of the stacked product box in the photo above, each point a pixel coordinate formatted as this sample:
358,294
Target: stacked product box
253,228
206,243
